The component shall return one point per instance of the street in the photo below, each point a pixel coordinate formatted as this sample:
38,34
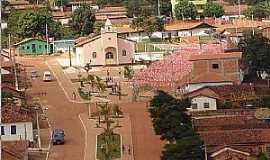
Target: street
61,114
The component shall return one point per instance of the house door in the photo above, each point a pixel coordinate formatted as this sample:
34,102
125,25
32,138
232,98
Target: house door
34,48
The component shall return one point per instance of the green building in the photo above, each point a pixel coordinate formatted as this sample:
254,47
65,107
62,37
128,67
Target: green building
31,46
198,3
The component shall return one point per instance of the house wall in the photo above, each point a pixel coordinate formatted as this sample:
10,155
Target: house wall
63,45
27,48
200,100
24,131
129,47
226,67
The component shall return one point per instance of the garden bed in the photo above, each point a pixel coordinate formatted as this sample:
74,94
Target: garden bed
116,149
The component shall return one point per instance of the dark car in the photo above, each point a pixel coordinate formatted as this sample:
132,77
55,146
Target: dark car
58,136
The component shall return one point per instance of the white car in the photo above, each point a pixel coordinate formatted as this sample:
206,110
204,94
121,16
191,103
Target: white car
47,76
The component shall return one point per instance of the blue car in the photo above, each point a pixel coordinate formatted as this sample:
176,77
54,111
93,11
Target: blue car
58,136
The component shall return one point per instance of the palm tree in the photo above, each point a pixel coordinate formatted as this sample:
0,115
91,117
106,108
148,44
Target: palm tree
128,72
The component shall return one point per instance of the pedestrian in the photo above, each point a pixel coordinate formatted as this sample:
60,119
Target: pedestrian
74,95
129,151
123,148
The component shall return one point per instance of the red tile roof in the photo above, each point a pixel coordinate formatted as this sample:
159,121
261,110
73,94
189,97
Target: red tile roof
14,150
185,25
210,77
230,137
12,114
230,55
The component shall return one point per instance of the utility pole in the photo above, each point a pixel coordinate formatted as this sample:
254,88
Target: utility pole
252,20
69,54
158,1
47,39
239,8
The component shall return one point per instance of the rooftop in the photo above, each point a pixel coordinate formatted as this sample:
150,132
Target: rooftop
14,150
185,25
12,114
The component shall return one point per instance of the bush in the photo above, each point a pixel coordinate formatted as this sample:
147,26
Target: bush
84,95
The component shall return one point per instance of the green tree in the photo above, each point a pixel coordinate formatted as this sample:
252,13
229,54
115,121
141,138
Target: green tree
169,117
61,2
185,9
32,23
148,24
260,10
255,50
82,21
213,10
165,7
188,148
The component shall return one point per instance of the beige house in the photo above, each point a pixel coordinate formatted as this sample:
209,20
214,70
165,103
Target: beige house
105,49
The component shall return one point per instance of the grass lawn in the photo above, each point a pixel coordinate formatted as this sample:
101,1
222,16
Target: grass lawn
116,146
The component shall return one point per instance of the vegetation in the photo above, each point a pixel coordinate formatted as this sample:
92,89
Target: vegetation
116,145
185,9
188,148
82,21
171,122
165,7
32,23
167,114
108,143
260,10
255,50
148,24
128,72
213,10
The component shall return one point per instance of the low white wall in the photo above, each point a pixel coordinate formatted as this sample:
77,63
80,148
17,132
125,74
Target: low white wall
24,131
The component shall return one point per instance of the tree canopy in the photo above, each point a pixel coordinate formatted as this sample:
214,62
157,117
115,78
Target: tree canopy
32,23
172,123
255,50
148,24
168,116
185,9
213,10
260,10
188,148
82,21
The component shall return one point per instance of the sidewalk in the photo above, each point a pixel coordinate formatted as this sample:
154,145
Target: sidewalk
91,133
68,87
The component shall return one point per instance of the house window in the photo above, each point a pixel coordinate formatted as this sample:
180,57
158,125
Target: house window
206,105
13,129
45,46
27,47
215,66
124,53
194,106
22,47
2,130
109,55
109,38
39,46
94,55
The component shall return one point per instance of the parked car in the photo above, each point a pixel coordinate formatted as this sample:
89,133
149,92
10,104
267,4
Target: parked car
58,136
34,74
47,76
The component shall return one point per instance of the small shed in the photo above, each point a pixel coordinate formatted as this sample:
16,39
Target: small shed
31,46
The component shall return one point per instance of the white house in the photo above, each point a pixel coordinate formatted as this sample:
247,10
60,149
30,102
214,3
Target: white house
16,124
105,49
203,103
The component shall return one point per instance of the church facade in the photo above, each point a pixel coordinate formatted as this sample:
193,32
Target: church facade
105,49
